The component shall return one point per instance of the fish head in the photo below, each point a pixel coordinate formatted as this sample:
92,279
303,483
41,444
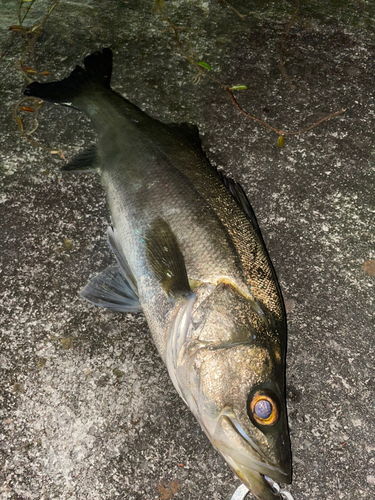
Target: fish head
232,372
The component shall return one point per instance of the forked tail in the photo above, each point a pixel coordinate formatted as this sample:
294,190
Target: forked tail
97,72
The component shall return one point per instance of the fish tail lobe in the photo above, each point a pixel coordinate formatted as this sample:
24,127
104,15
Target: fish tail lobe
96,73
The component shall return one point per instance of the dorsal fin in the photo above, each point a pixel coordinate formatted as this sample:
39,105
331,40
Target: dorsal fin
236,191
187,130
191,135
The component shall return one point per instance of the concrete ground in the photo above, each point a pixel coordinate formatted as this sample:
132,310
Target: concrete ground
87,408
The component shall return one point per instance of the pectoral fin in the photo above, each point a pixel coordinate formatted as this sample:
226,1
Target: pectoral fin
166,259
112,290
85,161
168,265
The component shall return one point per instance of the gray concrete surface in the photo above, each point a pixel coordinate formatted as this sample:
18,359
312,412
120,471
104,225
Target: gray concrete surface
87,408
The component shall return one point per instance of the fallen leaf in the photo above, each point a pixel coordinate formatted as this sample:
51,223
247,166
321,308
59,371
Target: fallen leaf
15,28
167,491
67,343
238,87
205,65
27,69
369,267
27,108
18,388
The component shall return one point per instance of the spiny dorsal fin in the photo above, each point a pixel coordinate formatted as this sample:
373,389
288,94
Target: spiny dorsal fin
85,161
166,260
191,134
187,130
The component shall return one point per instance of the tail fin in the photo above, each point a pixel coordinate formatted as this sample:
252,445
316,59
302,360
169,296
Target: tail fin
98,69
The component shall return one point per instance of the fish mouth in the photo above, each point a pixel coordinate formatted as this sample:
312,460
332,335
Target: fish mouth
245,458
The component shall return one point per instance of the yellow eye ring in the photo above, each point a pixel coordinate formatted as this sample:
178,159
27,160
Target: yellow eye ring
263,409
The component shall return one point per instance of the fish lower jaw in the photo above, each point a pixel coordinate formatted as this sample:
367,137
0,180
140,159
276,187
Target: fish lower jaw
242,454
264,469
248,464
256,481
260,487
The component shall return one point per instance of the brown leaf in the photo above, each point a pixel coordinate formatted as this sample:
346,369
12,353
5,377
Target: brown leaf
27,69
28,109
15,28
167,491
369,267
20,123
67,343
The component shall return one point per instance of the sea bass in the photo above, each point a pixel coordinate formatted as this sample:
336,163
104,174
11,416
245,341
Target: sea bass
190,255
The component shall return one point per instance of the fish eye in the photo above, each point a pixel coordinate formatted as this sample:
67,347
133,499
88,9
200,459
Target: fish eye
263,408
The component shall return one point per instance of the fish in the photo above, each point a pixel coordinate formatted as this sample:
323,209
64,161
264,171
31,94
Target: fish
189,255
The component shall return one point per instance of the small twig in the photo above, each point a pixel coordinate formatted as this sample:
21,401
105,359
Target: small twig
38,103
19,27
202,71
36,30
179,45
283,42
31,35
234,100
234,10
14,34
280,131
21,4
37,144
332,115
